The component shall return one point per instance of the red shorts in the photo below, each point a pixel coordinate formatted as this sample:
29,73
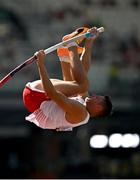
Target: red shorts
32,99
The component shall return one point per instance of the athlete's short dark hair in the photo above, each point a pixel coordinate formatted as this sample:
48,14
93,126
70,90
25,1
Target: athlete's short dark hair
107,110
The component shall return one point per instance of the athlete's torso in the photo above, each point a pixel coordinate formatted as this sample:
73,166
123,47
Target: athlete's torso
49,115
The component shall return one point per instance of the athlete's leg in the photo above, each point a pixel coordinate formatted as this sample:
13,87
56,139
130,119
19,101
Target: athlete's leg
63,53
65,66
76,68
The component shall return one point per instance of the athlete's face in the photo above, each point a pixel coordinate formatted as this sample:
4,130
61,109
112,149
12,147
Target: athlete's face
95,105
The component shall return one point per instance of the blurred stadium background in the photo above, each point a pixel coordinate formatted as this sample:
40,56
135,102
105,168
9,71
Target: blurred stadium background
29,152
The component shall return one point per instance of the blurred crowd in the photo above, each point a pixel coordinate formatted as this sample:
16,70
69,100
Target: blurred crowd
29,25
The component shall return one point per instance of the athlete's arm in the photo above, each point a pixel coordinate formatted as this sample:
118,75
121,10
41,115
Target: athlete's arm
75,112
86,55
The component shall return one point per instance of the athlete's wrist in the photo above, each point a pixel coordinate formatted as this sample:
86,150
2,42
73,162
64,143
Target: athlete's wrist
40,63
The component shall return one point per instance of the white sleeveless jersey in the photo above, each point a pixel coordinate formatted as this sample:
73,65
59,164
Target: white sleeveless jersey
51,116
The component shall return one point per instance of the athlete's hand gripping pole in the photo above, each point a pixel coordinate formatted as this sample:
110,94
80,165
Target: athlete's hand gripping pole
47,51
